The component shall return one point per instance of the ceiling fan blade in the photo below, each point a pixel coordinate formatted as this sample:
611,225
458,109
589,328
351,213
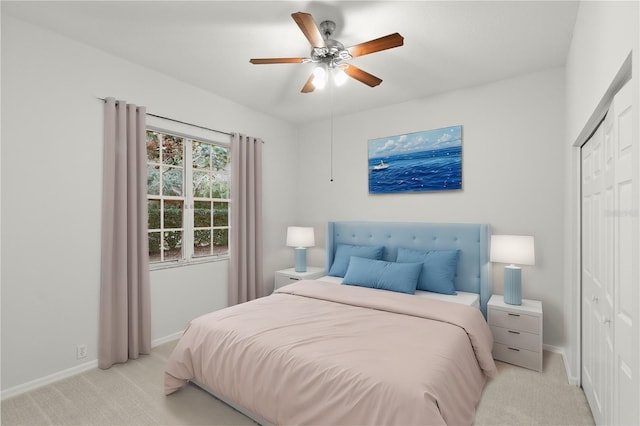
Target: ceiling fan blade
383,43
309,28
362,76
308,86
260,61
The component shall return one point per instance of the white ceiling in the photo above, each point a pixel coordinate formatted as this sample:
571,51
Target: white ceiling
447,45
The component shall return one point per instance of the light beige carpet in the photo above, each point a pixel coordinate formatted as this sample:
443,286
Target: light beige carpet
524,397
132,394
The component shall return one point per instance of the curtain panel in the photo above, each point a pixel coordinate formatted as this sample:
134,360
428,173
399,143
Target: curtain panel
125,314
245,263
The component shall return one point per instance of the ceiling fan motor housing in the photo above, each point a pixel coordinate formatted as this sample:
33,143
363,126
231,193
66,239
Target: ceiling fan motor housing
334,54
327,28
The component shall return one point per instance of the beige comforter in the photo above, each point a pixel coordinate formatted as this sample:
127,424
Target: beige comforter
319,353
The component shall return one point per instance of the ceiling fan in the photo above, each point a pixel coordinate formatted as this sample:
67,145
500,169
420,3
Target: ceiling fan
331,54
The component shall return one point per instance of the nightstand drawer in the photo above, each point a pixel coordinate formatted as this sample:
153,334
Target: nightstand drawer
282,280
514,321
521,357
290,276
515,338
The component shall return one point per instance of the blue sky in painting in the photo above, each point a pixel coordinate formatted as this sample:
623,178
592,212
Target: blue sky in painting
415,142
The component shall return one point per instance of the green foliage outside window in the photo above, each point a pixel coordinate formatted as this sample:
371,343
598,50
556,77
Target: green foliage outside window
209,174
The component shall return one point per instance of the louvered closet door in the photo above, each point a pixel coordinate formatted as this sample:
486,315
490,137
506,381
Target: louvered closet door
610,258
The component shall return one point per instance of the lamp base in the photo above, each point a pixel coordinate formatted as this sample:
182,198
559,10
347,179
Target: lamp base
301,259
512,285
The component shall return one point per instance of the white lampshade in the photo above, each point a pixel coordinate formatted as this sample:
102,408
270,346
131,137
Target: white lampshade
298,236
513,249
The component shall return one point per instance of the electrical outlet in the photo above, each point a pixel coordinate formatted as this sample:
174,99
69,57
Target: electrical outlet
81,351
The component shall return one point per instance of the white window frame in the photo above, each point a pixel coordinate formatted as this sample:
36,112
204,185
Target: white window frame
189,134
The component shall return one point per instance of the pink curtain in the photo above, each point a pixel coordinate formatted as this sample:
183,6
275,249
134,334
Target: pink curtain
125,314
245,263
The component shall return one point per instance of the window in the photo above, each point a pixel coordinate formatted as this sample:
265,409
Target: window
188,198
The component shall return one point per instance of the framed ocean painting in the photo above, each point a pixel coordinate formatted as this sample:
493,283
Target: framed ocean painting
416,162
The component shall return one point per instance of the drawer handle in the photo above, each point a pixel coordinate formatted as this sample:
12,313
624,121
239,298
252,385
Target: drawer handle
514,332
514,349
513,315
294,279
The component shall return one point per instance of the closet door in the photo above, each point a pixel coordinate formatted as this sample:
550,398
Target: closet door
610,265
626,259
597,274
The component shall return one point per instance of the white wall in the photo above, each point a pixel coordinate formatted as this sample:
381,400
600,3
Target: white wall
604,35
512,173
51,196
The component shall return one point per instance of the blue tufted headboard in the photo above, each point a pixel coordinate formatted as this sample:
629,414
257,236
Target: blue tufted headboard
471,239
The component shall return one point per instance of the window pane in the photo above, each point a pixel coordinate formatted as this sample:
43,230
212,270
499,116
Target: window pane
172,152
153,147
220,241
154,246
202,243
220,158
171,181
220,214
201,184
153,208
153,180
201,155
202,214
172,245
220,186
172,214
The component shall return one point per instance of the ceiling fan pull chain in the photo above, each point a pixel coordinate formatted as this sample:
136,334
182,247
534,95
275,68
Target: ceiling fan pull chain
331,144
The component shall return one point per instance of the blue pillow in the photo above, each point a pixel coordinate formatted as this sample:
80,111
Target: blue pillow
438,270
400,277
344,253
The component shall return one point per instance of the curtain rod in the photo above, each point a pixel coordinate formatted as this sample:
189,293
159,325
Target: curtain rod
181,122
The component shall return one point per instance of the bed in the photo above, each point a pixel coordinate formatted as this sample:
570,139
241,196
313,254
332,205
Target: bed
322,352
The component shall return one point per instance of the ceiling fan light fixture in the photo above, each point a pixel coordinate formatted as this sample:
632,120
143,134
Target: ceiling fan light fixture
319,77
339,77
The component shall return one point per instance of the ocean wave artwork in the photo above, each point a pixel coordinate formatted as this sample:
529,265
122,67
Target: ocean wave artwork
430,160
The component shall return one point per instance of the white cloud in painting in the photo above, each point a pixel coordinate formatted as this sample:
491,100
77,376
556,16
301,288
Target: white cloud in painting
388,146
444,138
415,142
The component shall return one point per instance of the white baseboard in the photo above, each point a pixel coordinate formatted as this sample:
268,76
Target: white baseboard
60,375
43,381
165,339
555,349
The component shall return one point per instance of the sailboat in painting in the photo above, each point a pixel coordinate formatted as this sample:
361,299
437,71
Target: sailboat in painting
381,166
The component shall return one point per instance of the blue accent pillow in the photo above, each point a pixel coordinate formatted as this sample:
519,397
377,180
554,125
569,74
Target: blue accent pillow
438,270
344,253
400,277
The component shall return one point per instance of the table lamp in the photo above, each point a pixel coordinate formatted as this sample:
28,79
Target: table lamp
512,249
300,238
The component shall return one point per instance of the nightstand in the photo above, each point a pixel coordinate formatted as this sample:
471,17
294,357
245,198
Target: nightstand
517,331
288,276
